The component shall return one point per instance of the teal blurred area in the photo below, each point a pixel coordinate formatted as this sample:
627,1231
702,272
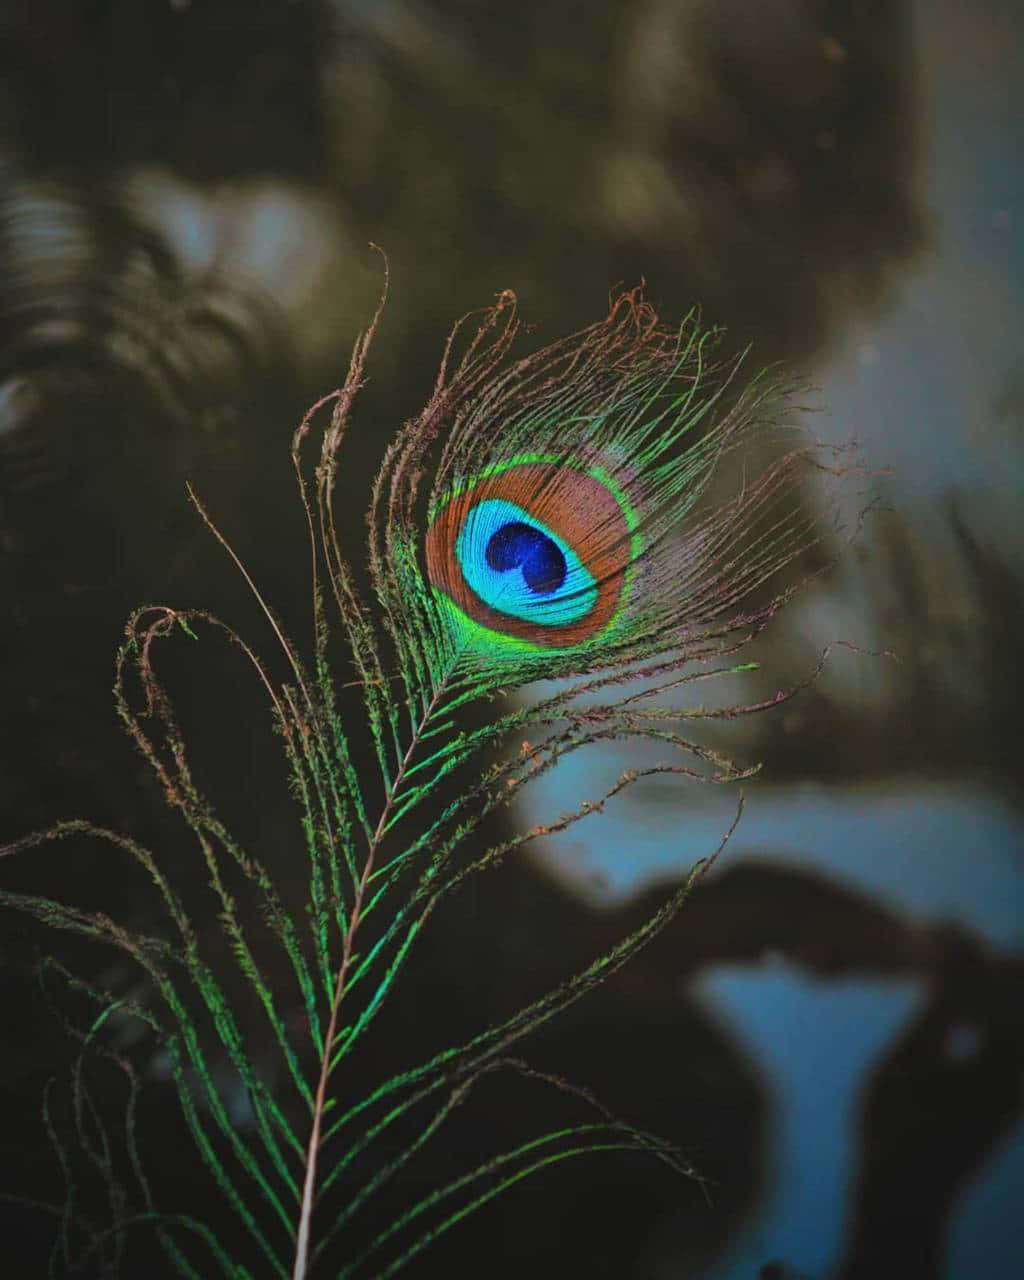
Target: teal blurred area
947,855
931,851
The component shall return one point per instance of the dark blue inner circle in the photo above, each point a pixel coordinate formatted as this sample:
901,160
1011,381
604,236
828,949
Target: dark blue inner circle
520,546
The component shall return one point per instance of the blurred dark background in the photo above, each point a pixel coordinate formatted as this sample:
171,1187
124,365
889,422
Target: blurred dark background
189,187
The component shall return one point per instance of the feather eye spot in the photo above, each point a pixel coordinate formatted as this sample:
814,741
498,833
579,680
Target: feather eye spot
532,550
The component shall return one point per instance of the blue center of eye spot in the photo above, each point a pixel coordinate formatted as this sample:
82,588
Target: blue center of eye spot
521,568
522,546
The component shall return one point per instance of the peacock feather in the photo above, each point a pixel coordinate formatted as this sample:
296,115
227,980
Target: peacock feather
546,517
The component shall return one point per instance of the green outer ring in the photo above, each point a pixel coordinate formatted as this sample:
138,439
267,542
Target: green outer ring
468,626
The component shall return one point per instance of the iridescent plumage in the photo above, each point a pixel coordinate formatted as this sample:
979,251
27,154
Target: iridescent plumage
534,549
564,530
